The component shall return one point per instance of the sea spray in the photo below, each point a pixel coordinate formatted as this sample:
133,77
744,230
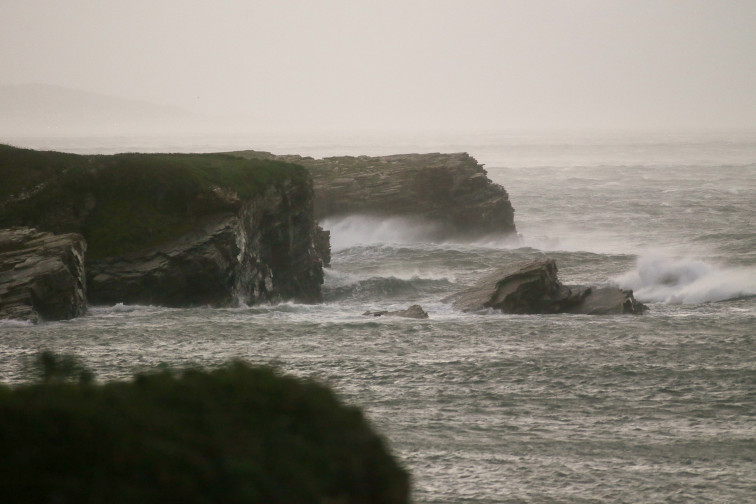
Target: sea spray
664,279
364,229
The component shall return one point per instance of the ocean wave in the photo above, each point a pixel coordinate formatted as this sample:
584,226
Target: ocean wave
356,230
662,279
566,240
264,308
364,231
380,288
119,308
16,323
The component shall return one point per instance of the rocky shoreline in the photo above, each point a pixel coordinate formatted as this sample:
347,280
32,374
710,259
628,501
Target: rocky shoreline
222,229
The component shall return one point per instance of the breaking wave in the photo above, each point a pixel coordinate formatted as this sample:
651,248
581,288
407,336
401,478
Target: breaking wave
660,279
369,230
16,323
341,287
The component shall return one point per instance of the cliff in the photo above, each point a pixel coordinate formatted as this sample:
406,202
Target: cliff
174,229
41,275
450,191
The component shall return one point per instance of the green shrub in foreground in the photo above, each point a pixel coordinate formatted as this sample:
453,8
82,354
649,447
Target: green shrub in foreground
233,435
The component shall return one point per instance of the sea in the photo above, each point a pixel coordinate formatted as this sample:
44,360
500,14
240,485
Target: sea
495,408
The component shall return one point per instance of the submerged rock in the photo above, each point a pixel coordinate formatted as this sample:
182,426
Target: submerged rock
41,275
533,288
451,192
414,311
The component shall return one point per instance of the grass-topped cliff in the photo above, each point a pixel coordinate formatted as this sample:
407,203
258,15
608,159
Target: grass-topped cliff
450,191
126,202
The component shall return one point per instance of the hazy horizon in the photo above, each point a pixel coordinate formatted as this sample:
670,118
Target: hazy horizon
410,66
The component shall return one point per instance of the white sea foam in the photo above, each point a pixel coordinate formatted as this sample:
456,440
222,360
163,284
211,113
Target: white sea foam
683,280
361,230
510,241
355,230
336,278
117,308
15,323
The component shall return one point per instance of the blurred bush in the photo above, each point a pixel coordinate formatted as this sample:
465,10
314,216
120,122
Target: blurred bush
238,434
48,366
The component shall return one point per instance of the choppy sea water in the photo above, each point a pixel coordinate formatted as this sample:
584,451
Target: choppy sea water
501,408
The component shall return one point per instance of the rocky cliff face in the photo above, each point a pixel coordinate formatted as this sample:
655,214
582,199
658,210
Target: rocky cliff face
450,191
41,275
265,251
175,230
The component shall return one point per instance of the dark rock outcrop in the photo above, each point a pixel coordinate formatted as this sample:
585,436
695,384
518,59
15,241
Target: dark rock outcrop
263,252
414,311
323,245
450,191
175,229
41,275
533,287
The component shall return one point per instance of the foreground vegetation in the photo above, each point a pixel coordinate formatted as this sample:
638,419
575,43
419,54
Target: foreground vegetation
238,434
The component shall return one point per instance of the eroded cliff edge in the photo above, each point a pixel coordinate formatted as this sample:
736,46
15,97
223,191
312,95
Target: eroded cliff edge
174,229
452,192
41,275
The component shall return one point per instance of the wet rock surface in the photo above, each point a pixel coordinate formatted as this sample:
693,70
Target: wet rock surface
41,275
452,192
533,288
266,251
174,229
414,311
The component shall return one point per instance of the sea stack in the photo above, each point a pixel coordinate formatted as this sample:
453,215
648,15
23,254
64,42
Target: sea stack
451,192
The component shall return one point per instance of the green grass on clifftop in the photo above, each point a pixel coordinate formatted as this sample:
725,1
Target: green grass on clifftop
126,202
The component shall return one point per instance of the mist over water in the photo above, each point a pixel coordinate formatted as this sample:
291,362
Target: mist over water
503,408
372,230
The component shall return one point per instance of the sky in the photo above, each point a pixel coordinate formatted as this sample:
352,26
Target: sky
409,64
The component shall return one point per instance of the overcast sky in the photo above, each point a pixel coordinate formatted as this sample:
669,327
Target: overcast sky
472,64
